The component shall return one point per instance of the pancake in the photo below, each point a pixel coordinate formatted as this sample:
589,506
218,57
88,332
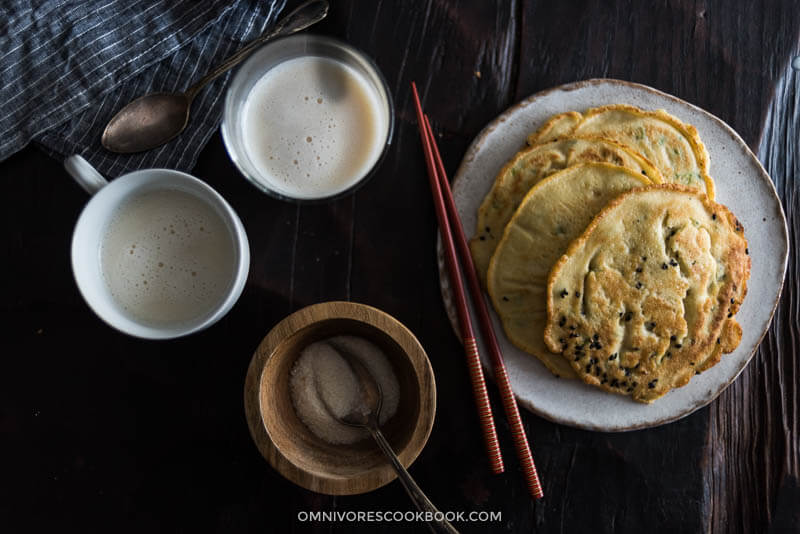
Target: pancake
728,340
644,298
558,126
553,213
672,146
529,167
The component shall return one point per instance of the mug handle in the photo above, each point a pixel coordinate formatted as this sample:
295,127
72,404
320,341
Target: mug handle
83,173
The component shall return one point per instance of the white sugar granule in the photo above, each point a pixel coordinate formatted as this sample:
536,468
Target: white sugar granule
321,376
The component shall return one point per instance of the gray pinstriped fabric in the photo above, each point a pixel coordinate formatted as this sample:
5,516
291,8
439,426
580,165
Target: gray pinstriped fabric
66,66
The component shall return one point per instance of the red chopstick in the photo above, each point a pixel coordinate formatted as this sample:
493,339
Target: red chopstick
501,376
470,344
443,195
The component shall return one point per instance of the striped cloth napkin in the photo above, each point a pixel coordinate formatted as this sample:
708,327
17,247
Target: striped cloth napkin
67,66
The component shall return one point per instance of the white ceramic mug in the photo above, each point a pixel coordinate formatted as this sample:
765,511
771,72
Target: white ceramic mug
87,240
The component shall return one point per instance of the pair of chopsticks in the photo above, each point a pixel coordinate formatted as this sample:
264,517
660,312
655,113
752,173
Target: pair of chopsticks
450,225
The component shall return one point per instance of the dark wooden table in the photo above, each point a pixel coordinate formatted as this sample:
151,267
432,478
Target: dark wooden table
103,432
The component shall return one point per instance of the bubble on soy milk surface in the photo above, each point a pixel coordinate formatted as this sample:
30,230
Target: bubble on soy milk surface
313,127
167,258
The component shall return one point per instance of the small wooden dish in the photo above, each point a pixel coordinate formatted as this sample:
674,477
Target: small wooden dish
285,441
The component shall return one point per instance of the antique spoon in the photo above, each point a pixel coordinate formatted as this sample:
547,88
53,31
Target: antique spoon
366,415
152,120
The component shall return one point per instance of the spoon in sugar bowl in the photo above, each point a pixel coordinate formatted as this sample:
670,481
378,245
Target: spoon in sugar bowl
365,414
152,120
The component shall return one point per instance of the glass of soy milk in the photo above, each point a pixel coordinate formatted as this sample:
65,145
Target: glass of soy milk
307,118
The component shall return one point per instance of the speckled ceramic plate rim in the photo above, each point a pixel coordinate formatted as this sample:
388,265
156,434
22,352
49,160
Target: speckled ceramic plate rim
702,389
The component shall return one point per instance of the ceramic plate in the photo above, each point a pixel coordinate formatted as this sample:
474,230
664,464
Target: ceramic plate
741,184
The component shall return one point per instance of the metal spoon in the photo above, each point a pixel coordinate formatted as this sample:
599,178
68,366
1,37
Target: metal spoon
152,120
366,416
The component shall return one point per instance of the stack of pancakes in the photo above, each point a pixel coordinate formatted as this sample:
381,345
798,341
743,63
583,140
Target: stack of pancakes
605,255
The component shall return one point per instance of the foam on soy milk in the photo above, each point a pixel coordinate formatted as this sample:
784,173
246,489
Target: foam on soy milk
167,257
313,127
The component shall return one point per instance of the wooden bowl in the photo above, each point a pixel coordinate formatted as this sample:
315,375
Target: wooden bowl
286,442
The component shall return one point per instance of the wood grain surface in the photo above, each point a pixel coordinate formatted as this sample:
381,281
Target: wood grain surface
102,432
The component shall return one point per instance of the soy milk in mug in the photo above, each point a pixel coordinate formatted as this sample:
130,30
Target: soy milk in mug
167,257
